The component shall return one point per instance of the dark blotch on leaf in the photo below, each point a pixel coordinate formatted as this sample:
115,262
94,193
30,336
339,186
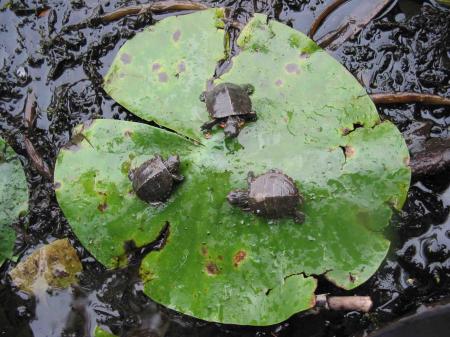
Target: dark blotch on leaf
156,66
56,185
204,250
181,67
303,55
163,77
176,35
292,68
239,257
278,82
102,207
125,58
211,268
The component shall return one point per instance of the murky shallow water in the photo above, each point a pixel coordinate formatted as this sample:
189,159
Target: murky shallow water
405,49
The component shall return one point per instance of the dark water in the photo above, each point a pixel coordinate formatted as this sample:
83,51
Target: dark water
407,48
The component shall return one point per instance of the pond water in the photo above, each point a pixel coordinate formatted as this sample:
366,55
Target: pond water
42,48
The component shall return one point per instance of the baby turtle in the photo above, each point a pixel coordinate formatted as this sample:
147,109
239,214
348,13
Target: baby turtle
272,195
153,180
230,104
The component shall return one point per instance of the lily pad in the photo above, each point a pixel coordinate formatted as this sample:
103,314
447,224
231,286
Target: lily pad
315,122
13,197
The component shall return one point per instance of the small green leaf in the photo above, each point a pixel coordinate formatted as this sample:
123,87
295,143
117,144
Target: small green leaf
13,197
99,332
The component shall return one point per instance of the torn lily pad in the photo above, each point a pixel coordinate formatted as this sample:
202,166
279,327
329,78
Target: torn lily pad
13,197
218,263
54,265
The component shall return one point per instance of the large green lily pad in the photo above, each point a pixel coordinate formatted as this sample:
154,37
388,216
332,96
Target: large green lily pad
13,197
315,122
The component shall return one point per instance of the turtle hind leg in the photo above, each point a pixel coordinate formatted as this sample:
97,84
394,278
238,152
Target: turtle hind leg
209,125
248,88
298,217
251,116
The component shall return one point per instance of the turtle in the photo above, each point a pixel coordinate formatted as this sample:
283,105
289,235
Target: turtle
153,180
229,103
272,195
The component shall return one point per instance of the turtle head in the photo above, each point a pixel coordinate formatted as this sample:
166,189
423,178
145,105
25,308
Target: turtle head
238,198
232,127
173,163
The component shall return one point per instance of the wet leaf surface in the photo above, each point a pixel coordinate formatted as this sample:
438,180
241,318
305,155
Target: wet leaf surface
13,197
219,263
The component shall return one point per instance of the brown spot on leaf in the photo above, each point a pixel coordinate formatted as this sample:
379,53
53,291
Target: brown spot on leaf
176,35
102,207
292,68
125,58
207,135
278,83
406,161
239,257
204,250
163,77
181,67
349,151
128,133
351,278
211,268
303,56
56,185
156,66
220,257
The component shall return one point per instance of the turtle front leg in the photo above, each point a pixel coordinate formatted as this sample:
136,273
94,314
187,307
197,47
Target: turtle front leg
177,177
298,217
232,126
209,125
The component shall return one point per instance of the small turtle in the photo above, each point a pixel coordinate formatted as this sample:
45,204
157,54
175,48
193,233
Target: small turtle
272,194
153,180
229,103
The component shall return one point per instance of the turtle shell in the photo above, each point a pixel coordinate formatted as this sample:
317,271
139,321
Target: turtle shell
273,194
152,182
228,99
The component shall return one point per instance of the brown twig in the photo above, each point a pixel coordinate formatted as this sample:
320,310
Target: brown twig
353,24
409,97
36,160
322,16
346,303
29,116
156,7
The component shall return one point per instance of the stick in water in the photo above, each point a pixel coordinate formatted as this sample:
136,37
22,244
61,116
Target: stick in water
36,160
409,97
346,303
29,116
322,16
156,7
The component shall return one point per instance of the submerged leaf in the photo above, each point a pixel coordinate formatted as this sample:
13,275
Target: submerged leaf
54,265
218,263
13,197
